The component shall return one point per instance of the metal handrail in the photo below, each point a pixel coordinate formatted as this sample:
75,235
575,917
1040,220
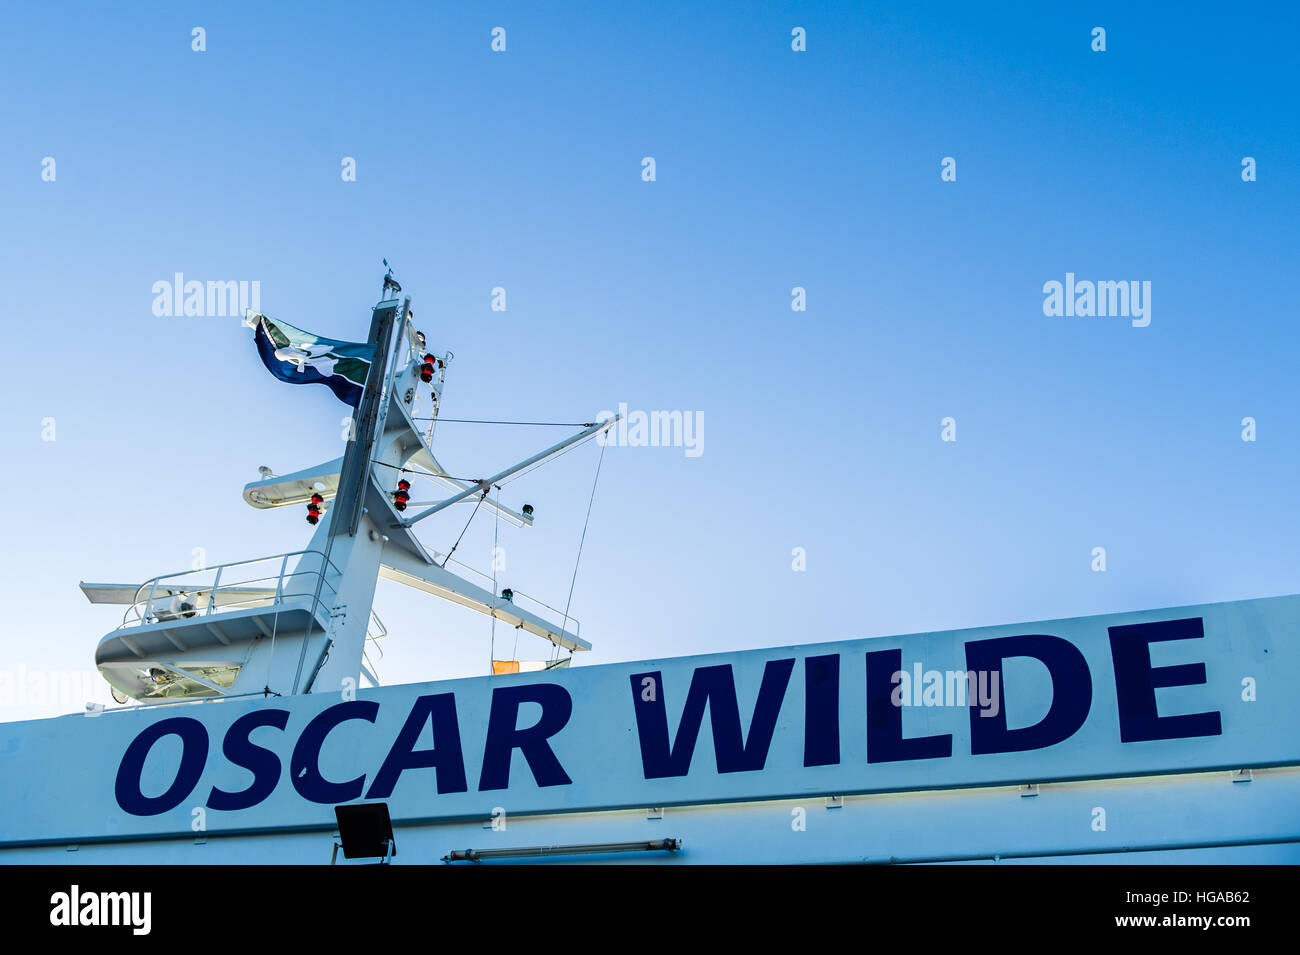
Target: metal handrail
171,593
577,625
144,612
373,637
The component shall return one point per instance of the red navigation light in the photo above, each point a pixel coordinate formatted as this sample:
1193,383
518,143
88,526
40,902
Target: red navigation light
426,368
313,509
402,494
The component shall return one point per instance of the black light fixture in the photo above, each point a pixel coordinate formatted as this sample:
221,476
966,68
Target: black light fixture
528,511
402,495
508,595
313,509
365,832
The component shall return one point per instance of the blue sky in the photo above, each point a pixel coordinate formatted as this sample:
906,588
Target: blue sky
775,169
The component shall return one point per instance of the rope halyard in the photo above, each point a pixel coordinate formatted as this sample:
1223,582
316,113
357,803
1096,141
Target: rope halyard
581,541
496,532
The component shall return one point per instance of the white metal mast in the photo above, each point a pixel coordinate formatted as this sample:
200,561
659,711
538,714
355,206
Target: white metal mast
298,622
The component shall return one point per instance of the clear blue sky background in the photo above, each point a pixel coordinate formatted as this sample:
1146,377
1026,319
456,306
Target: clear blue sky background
775,169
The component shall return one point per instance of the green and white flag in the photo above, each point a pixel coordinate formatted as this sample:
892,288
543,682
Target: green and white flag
302,358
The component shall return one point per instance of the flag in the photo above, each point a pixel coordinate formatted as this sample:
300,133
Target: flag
527,666
515,666
302,358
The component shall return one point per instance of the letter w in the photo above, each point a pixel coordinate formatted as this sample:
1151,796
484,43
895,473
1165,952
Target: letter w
714,687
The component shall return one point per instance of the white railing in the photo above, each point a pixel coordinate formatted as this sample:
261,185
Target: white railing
375,631
261,582
573,625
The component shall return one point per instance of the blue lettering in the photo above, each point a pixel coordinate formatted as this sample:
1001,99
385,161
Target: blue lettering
821,728
503,738
194,755
1136,681
716,687
885,742
438,710
261,762
1071,693
304,766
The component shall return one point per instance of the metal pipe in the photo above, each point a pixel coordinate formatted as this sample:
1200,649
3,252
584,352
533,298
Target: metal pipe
148,607
216,583
480,486
531,852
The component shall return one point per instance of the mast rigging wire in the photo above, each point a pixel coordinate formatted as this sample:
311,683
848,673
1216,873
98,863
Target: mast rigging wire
496,530
523,424
581,541
465,528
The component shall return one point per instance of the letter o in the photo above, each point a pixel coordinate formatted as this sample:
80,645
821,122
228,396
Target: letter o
194,756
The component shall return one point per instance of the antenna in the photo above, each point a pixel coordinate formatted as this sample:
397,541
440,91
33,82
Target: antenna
389,283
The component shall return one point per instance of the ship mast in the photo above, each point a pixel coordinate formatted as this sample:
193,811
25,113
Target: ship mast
299,622
347,502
